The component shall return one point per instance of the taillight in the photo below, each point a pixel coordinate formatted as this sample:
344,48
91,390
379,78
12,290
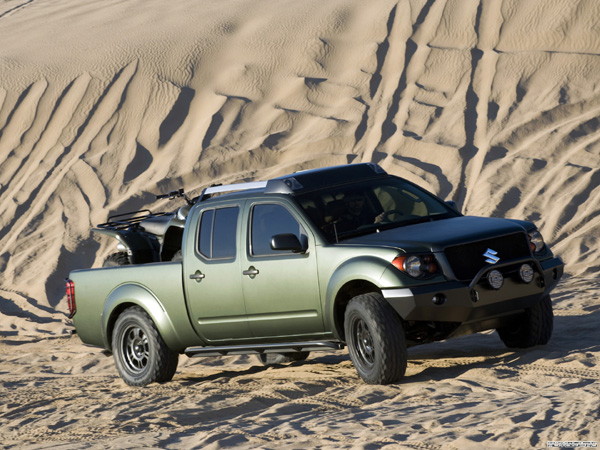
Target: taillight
71,298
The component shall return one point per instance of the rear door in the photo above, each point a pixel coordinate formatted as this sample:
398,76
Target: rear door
212,274
281,288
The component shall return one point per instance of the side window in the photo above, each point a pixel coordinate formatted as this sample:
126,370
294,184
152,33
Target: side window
267,221
217,234
205,235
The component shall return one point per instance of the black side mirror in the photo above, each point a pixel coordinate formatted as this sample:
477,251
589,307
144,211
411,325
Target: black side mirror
287,242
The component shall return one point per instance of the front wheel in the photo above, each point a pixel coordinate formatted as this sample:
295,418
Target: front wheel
141,355
534,328
375,339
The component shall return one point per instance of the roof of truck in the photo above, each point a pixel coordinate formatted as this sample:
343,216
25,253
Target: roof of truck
302,181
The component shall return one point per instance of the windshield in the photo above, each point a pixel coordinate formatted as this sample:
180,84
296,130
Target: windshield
354,209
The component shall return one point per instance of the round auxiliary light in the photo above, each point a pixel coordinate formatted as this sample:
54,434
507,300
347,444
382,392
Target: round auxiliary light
526,273
495,279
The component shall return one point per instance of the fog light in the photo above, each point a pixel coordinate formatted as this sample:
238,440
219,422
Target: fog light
439,299
526,273
495,279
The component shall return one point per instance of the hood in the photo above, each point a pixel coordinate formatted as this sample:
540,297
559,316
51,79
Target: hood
436,236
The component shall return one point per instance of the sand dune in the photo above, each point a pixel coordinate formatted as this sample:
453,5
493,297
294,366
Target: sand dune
493,104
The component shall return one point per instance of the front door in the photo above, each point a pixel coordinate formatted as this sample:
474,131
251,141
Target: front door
212,276
281,288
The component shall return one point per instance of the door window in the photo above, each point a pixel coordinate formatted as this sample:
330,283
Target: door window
217,234
268,221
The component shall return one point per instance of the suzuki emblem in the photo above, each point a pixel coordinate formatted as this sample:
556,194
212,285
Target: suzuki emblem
491,257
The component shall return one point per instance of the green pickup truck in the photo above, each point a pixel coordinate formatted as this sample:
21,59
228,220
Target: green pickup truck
315,260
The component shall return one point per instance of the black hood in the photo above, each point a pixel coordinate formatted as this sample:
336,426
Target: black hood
437,235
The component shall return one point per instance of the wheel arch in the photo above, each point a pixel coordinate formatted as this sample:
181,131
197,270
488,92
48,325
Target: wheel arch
346,293
127,295
355,276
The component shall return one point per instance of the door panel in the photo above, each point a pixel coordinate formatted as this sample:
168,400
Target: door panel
212,277
281,289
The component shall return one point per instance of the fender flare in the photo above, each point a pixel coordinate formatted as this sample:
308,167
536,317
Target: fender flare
141,247
115,234
369,269
131,294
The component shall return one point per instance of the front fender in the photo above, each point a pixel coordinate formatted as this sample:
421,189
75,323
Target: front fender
368,269
141,247
134,294
115,234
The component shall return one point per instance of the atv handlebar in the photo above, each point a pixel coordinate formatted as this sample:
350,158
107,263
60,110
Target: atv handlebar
175,194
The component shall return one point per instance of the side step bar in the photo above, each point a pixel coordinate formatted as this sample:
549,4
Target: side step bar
288,347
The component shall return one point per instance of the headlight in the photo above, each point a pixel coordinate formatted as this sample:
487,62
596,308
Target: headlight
412,266
416,266
536,241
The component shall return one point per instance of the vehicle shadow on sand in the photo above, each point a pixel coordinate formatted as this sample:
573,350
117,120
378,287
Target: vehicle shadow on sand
574,337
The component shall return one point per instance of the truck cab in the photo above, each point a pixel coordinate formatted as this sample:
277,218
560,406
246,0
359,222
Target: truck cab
319,260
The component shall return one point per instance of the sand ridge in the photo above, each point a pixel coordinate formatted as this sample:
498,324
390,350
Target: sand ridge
102,107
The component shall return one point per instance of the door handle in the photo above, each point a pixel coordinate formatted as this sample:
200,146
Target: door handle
251,272
198,276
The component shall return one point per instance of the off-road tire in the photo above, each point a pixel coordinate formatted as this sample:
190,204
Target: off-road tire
116,259
273,359
375,339
534,328
140,354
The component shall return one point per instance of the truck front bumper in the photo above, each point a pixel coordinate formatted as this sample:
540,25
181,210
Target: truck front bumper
477,301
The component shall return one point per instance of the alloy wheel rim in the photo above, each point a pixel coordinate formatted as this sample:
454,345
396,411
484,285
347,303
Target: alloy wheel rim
136,349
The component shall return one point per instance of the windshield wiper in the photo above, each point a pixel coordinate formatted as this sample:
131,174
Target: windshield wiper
416,220
377,227
360,232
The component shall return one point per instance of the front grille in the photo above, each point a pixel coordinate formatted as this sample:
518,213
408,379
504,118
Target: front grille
467,259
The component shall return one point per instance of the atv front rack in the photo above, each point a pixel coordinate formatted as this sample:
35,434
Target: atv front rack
129,220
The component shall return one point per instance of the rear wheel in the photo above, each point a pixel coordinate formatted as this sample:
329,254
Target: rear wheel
116,259
271,359
141,355
534,328
375,339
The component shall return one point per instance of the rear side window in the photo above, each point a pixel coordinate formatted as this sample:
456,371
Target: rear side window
217,234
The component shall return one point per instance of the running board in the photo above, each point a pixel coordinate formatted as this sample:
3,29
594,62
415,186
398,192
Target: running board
288,347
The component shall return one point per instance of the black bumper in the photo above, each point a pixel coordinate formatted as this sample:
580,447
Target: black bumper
477,301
